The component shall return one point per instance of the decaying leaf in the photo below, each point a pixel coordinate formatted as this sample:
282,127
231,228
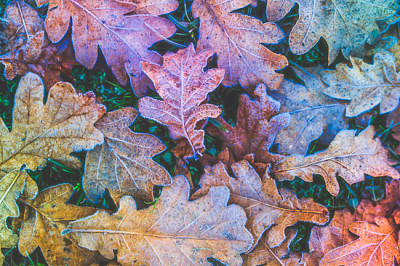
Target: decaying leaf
265,206
345,25
365,85
237,40
257,124
375,246
348,155
122,29
123,164
313,115
183,86
44,219
173,232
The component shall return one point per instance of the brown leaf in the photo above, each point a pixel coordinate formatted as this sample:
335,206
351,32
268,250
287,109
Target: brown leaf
237,39
313,115
365,85
375,246
173,232
265,206
123,30
349,156
44,219
41,57
183,86
257,124
123,164
393,122
345,25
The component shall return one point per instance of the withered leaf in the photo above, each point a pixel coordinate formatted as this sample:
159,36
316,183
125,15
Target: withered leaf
183,86
345,25
122,29
375,246
44,219
237,40
123,164
313,115
365,85
348,155
173,232
258,122
265,206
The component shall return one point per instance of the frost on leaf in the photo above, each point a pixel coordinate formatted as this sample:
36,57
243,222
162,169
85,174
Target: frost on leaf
123,164
183,86
346,25
237,40
349,156
173,232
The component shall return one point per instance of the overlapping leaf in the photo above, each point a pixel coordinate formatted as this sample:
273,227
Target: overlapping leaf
123,164
183,86
345,25
237,39
349,156
174,232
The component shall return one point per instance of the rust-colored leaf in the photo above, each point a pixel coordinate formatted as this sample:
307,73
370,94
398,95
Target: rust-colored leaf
345,25
348,155
123,30
183,86
265,206
376,245
44,219
237,40
173,232
123,164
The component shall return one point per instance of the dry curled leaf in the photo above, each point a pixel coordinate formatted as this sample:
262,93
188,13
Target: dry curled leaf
348,155
44,219
123,164
183,86
265,206
313,115
376,245
123,30
257,124
173,232
345,25
237,40
365,85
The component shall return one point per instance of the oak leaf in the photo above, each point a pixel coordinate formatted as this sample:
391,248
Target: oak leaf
237,40
265,206
123,164
313,115
44,219
183,86
345,25
123,30
365,85
173,232
349,156
375,246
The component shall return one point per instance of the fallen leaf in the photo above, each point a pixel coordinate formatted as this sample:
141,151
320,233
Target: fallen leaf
313,115
345,25
173,232
365,85
183,86
393,122
258,122
237,40
123,30
349,156
375,246
123,164
44,219
265,206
